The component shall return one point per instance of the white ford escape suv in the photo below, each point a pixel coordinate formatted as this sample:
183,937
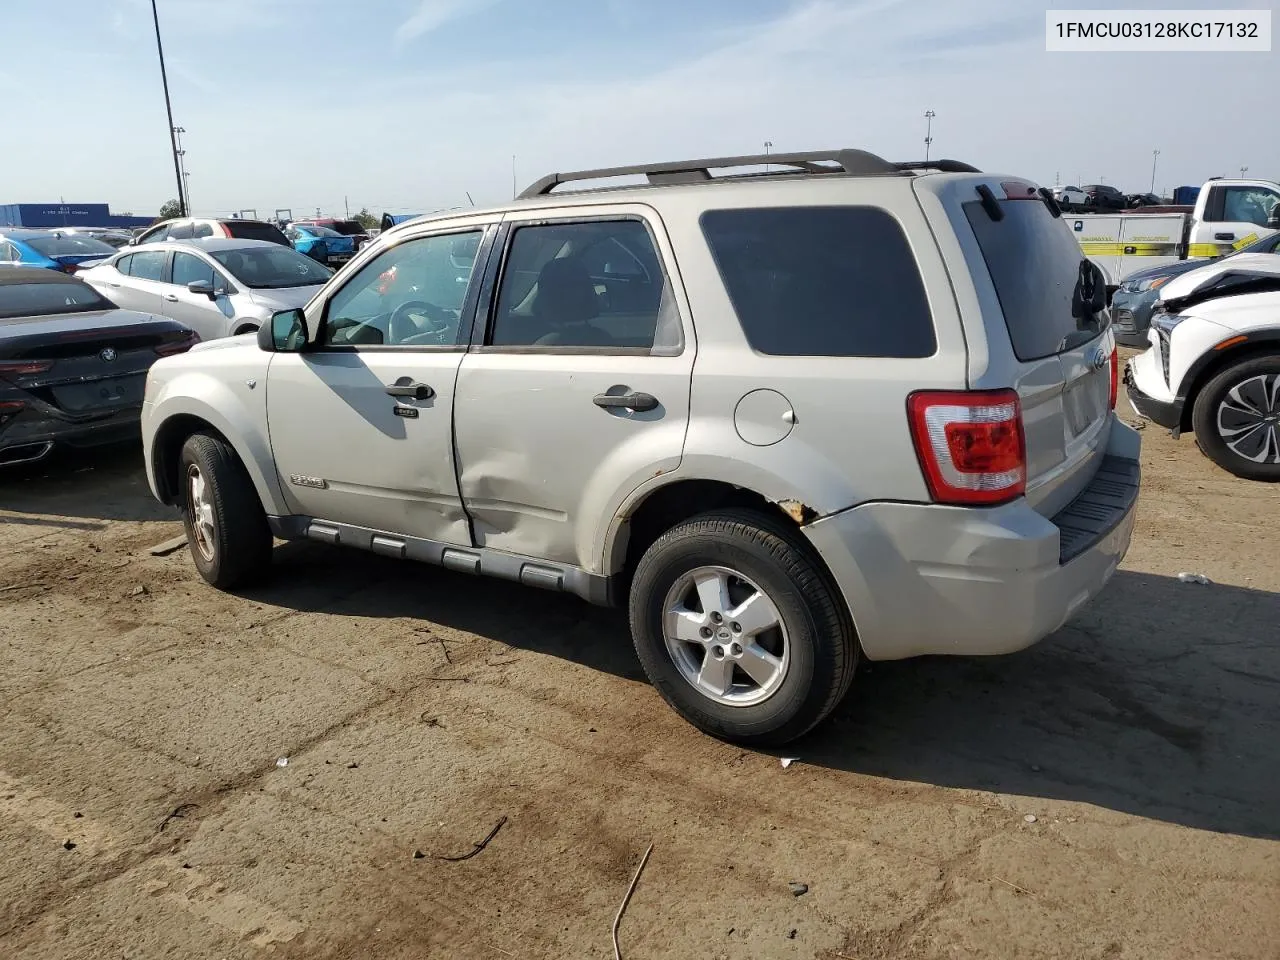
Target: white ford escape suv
842,408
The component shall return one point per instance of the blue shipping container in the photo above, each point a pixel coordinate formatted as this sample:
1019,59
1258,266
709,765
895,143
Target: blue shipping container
38,215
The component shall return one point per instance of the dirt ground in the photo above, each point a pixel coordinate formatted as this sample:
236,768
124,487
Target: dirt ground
1113,792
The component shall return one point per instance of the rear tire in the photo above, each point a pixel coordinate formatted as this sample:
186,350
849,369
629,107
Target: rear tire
226,526
1236,419
740,628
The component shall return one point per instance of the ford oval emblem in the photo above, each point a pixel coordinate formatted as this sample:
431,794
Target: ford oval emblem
108,354
1099,359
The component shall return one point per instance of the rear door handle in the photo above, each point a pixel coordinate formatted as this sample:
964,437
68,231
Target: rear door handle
410,389
171,298
1224,236
628,401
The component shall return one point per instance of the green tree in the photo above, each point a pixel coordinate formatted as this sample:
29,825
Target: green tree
170,210
366,219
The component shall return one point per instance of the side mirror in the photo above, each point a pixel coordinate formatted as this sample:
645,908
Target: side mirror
285,333
201,286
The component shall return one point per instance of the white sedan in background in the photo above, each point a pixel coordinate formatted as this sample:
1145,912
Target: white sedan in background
1070,196
217,286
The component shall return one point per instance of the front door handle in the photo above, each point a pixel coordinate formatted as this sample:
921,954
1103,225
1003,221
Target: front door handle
171,298
1224,236
628,401
410,390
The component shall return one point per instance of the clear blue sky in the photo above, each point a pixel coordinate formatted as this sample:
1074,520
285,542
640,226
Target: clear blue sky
408,104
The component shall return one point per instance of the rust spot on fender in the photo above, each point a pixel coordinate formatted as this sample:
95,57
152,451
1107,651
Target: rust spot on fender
801,513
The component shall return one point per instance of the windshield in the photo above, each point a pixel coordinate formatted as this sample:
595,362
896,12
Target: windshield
1035,265
41,299
70,246
266,268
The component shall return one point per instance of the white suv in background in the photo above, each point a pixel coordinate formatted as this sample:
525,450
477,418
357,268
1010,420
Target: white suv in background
1214,363
844,408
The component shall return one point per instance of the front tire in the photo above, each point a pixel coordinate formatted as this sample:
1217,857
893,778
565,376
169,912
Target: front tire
1237,419
226,526
740,628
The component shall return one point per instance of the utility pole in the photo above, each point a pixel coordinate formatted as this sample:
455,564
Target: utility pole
1155,156
928,132
768,145
173,137
346,208
513,176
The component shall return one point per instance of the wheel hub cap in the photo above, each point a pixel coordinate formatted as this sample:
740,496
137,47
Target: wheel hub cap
725,636
200,506
1249,418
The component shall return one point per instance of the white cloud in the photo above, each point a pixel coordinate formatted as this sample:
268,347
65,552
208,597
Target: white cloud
433,14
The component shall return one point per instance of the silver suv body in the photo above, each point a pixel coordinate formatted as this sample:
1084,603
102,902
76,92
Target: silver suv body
846,408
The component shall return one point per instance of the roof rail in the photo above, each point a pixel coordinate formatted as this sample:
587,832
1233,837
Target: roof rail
693,171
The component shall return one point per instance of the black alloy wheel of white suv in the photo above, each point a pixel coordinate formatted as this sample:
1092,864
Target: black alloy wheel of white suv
1237,419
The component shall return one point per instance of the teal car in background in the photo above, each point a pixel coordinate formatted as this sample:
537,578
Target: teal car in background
322,244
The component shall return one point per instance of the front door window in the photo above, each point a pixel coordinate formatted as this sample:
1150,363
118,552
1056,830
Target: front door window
411,295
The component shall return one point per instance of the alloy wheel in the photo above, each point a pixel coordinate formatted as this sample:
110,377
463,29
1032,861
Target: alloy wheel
725,636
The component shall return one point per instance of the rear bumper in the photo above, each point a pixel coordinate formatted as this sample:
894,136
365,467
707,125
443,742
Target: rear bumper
927,579
29,438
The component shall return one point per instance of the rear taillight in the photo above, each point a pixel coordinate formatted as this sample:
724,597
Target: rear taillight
1115,376
970,444
178,346
23,368
10,407
68,267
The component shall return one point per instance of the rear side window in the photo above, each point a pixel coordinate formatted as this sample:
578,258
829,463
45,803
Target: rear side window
1034,262
202,230
180,231
822,281
249,230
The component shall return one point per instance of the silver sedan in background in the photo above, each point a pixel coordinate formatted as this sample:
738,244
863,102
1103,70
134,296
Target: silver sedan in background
217,286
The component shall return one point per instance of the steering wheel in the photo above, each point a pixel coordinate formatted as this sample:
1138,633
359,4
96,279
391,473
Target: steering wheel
404,328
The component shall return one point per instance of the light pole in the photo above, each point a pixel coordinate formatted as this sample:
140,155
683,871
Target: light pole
185,198
173,137
1243,171
1155,156
768,145
928,132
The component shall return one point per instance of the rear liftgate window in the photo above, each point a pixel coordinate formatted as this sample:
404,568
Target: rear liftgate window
822,281
1034,262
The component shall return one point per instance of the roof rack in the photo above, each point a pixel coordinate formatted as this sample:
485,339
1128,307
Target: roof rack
847,161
